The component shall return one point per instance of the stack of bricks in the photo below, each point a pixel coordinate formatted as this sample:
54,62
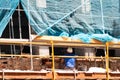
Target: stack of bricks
37,64
21,63
3,63
18,63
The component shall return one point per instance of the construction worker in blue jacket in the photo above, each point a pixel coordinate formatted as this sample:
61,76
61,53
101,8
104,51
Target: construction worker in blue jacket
69,61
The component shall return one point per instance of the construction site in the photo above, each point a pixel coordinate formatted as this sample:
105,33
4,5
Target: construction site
37,37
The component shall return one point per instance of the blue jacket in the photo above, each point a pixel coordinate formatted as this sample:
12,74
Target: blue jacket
69,62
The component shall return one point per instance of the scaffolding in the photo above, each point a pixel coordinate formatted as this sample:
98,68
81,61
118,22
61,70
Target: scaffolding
54,73
43,25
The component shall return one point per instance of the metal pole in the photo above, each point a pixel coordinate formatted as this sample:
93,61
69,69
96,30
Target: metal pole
30,39
12,36
20,30
53,60
107,60
3,74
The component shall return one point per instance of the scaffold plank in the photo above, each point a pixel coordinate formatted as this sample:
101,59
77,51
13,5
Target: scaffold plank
6,74
25,74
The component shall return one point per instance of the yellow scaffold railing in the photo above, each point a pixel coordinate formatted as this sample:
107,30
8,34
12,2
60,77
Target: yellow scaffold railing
107,60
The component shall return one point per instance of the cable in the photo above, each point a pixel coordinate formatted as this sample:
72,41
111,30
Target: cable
10,36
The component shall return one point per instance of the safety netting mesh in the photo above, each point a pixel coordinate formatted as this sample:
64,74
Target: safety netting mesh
78,19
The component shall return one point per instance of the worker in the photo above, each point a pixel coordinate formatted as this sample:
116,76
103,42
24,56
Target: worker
69,61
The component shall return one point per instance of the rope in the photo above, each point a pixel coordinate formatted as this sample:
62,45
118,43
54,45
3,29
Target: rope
19,19
10,37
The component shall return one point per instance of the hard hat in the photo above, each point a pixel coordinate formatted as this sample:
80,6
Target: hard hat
69,50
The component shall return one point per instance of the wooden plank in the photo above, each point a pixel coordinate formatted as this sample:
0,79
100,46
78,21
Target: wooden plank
26,75
59,75
6,41
58,41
